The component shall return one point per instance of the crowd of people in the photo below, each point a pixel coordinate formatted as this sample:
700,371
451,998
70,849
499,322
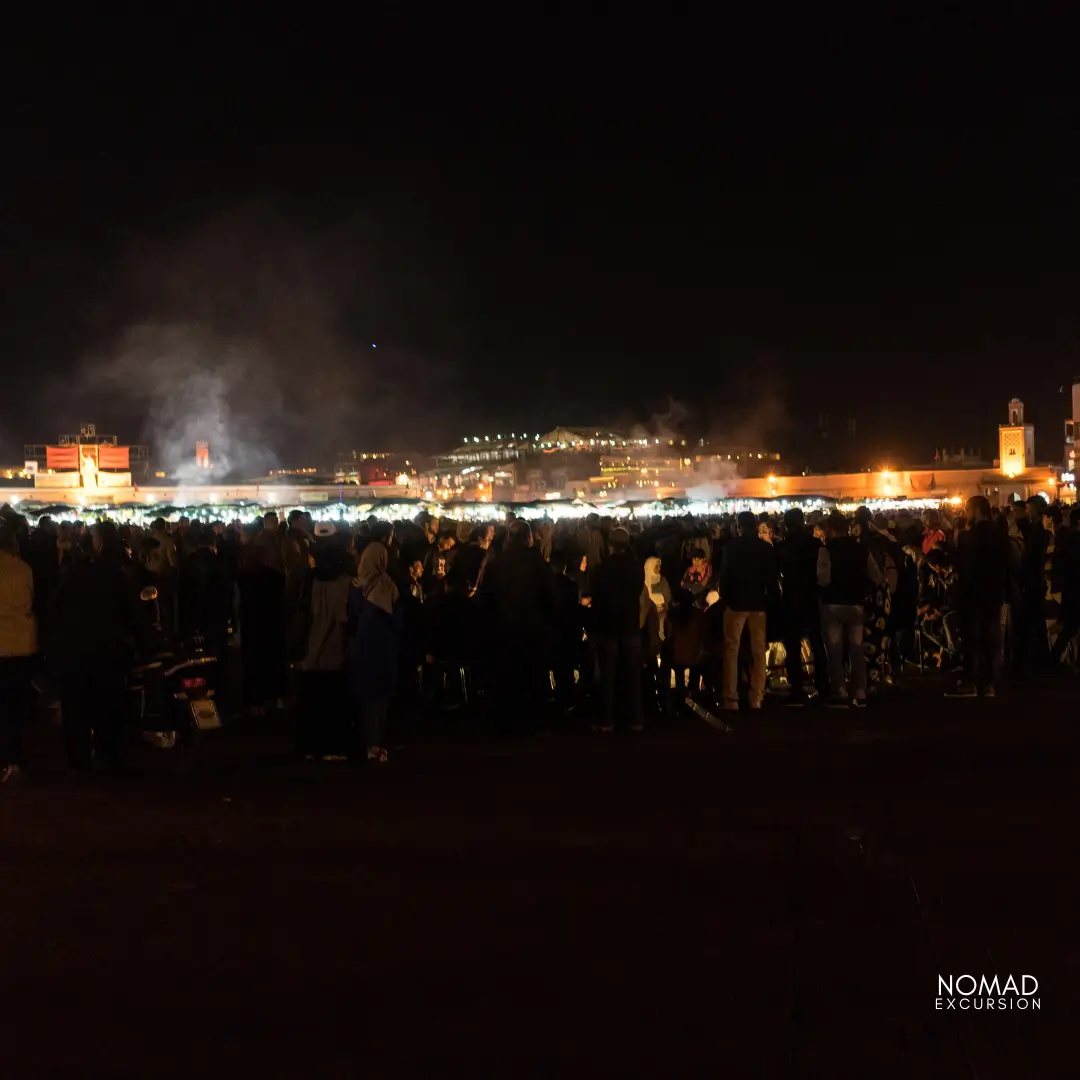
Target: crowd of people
603,619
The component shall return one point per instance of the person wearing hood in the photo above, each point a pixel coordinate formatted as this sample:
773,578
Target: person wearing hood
699,579
656,605
655,613
322,727
375,622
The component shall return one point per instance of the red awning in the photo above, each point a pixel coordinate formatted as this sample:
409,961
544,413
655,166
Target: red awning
61,457
113,457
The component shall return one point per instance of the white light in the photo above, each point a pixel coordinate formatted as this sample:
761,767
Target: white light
14,500
1067,477
213,496
149,497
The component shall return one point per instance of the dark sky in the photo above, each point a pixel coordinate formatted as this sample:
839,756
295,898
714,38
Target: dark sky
544,218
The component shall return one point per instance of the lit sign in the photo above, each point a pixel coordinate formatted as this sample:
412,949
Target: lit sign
1067,477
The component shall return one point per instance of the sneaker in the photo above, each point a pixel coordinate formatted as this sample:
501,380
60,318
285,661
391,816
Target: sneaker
837,701
10,774
859,702
962,690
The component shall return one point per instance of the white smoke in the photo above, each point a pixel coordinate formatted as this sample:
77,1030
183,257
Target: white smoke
193,385
716,479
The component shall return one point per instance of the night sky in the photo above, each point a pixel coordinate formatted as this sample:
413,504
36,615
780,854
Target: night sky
737,225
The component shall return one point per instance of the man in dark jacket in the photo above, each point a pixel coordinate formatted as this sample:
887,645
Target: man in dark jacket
747,575
616,588
569,626
982,562
96,622
466,571
845,571
521,590
204,593
796,557
1032,645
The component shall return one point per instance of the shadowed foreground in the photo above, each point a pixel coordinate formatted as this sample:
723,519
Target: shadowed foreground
774,903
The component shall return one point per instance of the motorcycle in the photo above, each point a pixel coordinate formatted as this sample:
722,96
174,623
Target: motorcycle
173,693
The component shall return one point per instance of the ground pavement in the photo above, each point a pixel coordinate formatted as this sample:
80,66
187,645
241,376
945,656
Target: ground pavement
777,902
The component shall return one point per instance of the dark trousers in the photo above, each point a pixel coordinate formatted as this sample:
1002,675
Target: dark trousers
15,675
799,625
262,640
322,714
521,685
1070,627
980,642
620,667
1032,644
94,704
375,715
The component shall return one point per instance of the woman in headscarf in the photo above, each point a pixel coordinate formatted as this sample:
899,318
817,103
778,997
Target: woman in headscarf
376,621
655,606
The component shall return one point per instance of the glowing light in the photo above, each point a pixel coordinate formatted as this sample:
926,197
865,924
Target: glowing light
1067,477
956,500
14,500
149,496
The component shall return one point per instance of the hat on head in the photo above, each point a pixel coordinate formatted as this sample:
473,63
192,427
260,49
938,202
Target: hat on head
325,528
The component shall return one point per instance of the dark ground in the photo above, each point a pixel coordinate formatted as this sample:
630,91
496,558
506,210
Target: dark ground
774,903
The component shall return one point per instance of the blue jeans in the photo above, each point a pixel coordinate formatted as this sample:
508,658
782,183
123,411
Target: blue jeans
836,619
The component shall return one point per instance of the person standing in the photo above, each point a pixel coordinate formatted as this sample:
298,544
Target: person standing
845,573
617,585
747,576
982,565
1070,588
322,726
96,620
375,621
521,589
18,646
796,557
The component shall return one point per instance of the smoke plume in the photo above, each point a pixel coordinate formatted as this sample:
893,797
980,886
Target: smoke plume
256,336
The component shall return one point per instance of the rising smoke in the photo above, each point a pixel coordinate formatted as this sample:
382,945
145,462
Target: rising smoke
256,336
195,385
755,426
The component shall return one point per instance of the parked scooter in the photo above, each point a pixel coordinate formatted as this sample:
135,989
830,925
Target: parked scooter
173,694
